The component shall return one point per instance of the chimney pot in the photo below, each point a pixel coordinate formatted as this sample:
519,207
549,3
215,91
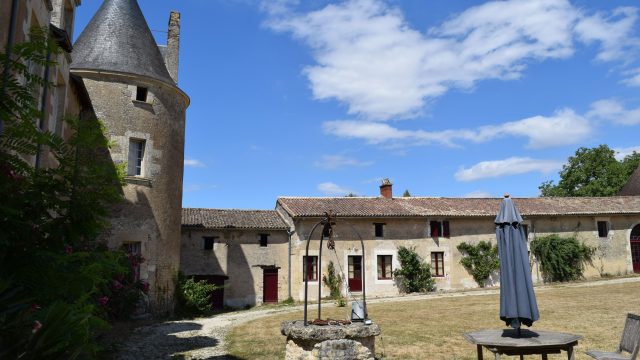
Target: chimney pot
386,189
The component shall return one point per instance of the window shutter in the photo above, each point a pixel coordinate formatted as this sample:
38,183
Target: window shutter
435,228
445,229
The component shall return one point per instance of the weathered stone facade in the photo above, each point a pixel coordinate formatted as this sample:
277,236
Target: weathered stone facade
144,114
65,97
242,250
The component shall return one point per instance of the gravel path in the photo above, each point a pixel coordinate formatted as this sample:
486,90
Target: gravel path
204,338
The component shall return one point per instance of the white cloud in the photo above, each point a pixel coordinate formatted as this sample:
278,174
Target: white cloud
335,162
331,189
613,32
621,153
194,163
564,127
368,57
506,167
633,78
614,111
478,194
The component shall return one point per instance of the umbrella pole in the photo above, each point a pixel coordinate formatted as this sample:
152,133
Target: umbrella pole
519,333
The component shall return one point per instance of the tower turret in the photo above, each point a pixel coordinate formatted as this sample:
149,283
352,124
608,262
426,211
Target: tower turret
144,113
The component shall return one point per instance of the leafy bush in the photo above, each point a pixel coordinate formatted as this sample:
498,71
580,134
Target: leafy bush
333,281
56,280
562,259
480,260
194,297
414,275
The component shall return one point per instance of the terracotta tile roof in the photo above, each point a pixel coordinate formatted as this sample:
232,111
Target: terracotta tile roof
452,207
232,219
632,187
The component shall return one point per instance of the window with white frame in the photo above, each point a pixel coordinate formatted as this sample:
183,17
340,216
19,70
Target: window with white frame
437,263
385,269
136,157
310,268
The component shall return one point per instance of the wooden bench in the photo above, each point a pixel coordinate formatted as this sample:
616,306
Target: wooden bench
629,343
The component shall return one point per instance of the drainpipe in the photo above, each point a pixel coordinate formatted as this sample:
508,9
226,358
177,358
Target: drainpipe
10,39
44,103
290,232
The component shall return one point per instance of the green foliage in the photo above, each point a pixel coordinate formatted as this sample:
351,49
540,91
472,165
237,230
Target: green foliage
194,297
288,301
333,281
562,259
480,260
414,274
56,281
406,193
592,172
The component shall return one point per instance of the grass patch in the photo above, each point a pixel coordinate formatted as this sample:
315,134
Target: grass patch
432,329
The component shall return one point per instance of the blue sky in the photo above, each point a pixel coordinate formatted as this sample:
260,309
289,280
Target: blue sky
445,98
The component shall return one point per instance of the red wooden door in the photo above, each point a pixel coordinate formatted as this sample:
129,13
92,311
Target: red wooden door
270,288
355,273
635,248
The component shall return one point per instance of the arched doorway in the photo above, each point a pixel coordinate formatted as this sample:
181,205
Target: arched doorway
635,248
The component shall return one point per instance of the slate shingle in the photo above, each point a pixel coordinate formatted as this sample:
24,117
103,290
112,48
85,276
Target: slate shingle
118,39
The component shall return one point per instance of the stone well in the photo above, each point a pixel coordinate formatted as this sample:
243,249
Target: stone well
312,342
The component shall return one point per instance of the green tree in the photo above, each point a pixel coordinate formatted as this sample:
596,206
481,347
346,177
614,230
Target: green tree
592,172
480,260
333,281
194,297
562,259
406,193
58,284
414,274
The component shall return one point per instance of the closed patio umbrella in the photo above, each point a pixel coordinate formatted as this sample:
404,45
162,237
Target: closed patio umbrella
517,300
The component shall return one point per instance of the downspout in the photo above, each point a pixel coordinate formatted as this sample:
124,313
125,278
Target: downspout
44,103
290,232
9,50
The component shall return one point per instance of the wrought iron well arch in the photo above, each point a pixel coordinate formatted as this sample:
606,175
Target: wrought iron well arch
328,222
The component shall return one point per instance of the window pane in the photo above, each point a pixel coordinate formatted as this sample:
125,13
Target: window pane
310,268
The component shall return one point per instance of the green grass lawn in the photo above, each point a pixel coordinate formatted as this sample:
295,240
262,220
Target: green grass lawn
432,329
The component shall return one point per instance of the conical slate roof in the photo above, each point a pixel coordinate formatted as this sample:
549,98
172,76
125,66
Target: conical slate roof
632,187
118,39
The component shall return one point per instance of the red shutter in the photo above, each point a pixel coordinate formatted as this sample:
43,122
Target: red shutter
435,228
445,229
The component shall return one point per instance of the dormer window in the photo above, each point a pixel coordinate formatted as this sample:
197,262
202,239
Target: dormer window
142,93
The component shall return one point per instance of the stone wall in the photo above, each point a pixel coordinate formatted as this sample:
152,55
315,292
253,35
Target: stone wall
237,254
151,213
414,232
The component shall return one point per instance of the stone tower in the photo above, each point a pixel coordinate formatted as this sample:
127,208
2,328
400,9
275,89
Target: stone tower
132,83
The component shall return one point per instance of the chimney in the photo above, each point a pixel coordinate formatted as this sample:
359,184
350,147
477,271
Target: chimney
172,57
386,189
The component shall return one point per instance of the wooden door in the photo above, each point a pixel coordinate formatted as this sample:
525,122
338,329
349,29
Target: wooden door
355,273
270,288
635,248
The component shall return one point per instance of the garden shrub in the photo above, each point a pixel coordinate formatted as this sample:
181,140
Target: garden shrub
194,297
561,259
57,287
414,275
333,281
480,260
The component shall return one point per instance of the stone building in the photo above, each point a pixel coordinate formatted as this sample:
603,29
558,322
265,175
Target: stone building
132,84
67,96
632,187
433,226
245,250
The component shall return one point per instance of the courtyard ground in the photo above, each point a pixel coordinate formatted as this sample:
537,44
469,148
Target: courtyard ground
413,327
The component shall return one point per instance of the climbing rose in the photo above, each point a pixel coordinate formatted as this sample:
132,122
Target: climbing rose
68,249
102,301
